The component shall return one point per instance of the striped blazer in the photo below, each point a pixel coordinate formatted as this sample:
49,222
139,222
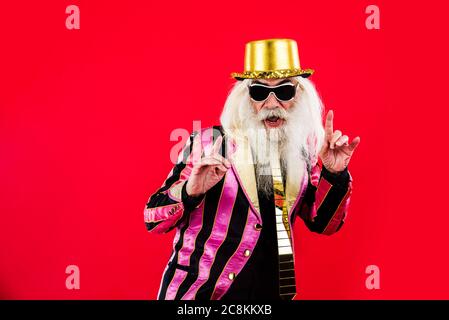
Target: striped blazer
207,255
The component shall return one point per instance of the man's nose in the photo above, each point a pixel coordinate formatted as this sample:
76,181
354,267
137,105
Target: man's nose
272,102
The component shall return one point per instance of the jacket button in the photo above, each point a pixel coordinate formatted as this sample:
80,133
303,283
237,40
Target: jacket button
247,253
258,226
231,276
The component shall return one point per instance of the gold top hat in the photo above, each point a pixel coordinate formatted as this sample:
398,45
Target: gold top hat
272,59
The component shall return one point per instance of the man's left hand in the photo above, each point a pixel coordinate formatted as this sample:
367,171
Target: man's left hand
336,151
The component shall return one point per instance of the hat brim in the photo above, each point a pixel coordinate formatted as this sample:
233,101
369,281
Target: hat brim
272,74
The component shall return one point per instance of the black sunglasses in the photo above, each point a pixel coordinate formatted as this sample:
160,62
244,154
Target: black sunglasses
283,92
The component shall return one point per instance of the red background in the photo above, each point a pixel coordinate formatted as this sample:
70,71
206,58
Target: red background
86,116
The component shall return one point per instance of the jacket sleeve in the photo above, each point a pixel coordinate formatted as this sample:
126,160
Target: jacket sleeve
326,200
170,204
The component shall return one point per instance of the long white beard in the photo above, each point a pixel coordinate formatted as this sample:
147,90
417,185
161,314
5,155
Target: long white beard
282,141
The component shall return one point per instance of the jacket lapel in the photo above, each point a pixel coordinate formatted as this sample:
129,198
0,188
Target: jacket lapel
294,185
241,158
243,166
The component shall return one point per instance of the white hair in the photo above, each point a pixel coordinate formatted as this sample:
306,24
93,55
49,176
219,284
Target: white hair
303,128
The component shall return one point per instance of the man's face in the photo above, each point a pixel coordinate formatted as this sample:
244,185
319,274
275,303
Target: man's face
272,102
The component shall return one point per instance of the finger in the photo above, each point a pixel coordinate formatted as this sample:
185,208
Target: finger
223,160
209,161
222,169
335,136
355,142
220,159
341,141
329,125
196,149
217,145
212,164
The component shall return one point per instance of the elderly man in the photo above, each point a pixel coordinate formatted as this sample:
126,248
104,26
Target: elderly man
237,189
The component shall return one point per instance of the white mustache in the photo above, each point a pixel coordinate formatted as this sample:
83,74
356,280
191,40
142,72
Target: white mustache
277,112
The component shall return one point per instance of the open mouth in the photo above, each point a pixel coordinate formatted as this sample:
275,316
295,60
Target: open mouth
273,121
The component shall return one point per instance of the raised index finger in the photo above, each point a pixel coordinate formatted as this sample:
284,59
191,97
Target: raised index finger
196,149
329,125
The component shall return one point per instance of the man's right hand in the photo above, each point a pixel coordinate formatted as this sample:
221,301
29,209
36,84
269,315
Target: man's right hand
206,171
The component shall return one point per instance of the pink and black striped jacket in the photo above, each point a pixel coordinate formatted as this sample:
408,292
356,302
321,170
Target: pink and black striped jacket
208,255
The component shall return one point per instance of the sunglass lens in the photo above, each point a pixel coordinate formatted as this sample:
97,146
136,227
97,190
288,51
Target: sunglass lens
286,92
259,93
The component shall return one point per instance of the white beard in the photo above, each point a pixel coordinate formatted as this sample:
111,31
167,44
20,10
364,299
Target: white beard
268,142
